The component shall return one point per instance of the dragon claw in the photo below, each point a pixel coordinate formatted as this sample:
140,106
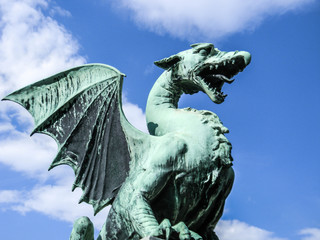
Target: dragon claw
183,230
179,231
165,226
195,236
185,233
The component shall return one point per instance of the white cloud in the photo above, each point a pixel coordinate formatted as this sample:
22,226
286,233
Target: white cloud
32,45
310,234
234,229
5,127
34,154
59,11
135,115
47,200
204,19
9,196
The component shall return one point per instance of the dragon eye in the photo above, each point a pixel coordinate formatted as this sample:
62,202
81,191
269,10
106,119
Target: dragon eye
203,52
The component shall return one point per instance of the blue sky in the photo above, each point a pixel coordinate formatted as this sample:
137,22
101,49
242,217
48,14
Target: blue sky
272,109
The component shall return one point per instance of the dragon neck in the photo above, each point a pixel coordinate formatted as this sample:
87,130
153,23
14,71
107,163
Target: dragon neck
162,105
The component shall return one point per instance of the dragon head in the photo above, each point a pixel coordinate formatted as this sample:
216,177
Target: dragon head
205,68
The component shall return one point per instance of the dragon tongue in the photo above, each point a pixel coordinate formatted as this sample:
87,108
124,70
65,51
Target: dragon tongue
223,78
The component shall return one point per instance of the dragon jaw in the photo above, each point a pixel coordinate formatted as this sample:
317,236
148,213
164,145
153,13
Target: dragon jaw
217,70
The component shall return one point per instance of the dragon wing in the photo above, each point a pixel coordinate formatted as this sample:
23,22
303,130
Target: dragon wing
81,109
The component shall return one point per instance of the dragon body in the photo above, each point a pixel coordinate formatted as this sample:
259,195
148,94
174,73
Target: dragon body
172,183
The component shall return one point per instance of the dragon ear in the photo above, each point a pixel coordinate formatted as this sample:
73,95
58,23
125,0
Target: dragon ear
167,62
198,46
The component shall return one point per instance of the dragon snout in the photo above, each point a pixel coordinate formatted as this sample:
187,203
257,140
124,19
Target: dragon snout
246,57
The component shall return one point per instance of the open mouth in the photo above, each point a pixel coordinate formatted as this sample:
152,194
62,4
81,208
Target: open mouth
212,76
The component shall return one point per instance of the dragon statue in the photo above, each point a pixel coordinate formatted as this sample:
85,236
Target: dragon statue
171,183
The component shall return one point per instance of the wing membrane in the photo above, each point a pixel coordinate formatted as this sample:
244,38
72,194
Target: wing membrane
81,109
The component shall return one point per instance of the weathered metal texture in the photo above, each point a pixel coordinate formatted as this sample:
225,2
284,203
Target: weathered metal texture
170,184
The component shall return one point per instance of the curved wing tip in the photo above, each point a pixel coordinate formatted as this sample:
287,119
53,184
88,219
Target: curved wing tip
9,98
73,187
97,209
53,165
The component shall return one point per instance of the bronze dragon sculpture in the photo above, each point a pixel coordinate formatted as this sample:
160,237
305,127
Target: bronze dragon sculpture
172,183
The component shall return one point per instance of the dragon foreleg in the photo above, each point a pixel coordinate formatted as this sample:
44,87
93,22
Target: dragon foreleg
142,217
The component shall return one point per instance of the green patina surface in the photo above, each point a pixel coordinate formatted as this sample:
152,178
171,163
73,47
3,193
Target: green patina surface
171,183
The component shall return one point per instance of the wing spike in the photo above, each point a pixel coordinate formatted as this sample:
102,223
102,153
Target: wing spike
108,130
105,140
91,140
81,200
